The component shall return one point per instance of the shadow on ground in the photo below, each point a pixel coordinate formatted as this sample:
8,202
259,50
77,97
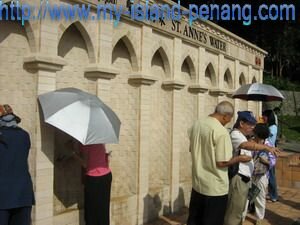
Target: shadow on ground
295,205
178,218
274,218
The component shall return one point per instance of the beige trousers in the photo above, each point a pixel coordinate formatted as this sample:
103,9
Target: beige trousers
237,198
260,201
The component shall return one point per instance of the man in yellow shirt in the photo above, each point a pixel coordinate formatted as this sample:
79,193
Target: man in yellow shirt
211,151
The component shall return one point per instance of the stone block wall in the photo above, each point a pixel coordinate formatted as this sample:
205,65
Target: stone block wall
290,104
158,82
288,170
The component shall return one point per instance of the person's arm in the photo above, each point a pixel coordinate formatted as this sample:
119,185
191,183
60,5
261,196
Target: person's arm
107,154
76,154
253,146
80,158
234,160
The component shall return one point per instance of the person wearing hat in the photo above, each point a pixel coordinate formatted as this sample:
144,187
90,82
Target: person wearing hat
16,189
240,181
211,152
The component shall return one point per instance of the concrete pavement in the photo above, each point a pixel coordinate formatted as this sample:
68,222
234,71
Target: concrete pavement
284,212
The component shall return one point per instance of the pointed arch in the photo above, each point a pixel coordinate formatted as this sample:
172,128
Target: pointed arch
254,80
165,60
191,66
121,52
132,53
228,81
85,35
161,49
210,75
27,24
242,79
31,37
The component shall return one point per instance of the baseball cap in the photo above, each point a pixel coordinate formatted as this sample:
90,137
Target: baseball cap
247,116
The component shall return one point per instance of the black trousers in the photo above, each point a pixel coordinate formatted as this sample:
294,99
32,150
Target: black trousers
97,199
16,216
206,210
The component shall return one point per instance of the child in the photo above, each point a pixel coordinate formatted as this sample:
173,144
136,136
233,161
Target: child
263,162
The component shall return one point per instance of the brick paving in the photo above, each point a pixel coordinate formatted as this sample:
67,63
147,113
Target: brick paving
284,212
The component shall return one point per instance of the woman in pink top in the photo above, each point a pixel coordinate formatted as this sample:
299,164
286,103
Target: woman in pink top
98,180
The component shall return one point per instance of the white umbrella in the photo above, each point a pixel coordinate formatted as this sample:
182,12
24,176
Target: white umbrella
258,92
81,115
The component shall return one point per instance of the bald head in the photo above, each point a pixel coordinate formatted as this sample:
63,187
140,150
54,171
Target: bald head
224,108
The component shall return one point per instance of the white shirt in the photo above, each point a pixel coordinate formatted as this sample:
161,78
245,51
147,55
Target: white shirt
237,138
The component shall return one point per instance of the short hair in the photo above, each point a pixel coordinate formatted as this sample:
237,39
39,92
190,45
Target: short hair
261,131
270,117
276,109
224,108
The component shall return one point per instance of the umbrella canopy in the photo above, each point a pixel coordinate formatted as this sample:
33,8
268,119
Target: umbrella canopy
258,92
81,115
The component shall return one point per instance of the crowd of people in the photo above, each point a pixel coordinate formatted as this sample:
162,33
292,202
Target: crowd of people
232,169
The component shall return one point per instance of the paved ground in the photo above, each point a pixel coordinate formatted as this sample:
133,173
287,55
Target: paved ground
284,212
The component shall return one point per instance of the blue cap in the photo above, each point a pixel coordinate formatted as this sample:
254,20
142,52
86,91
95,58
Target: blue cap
247,116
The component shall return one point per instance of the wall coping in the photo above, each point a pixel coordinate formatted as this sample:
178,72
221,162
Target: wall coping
42,62
197,88
173,84
218,91
141,79
100,72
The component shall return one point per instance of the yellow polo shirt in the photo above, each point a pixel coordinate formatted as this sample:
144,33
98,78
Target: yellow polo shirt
210,143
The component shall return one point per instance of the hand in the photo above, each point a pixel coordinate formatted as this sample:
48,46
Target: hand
275,151
64,157
244,158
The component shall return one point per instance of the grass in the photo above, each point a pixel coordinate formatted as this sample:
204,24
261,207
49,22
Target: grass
290,127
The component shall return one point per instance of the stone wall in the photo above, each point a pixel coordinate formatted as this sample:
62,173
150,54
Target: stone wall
288,170
157,82
290,104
